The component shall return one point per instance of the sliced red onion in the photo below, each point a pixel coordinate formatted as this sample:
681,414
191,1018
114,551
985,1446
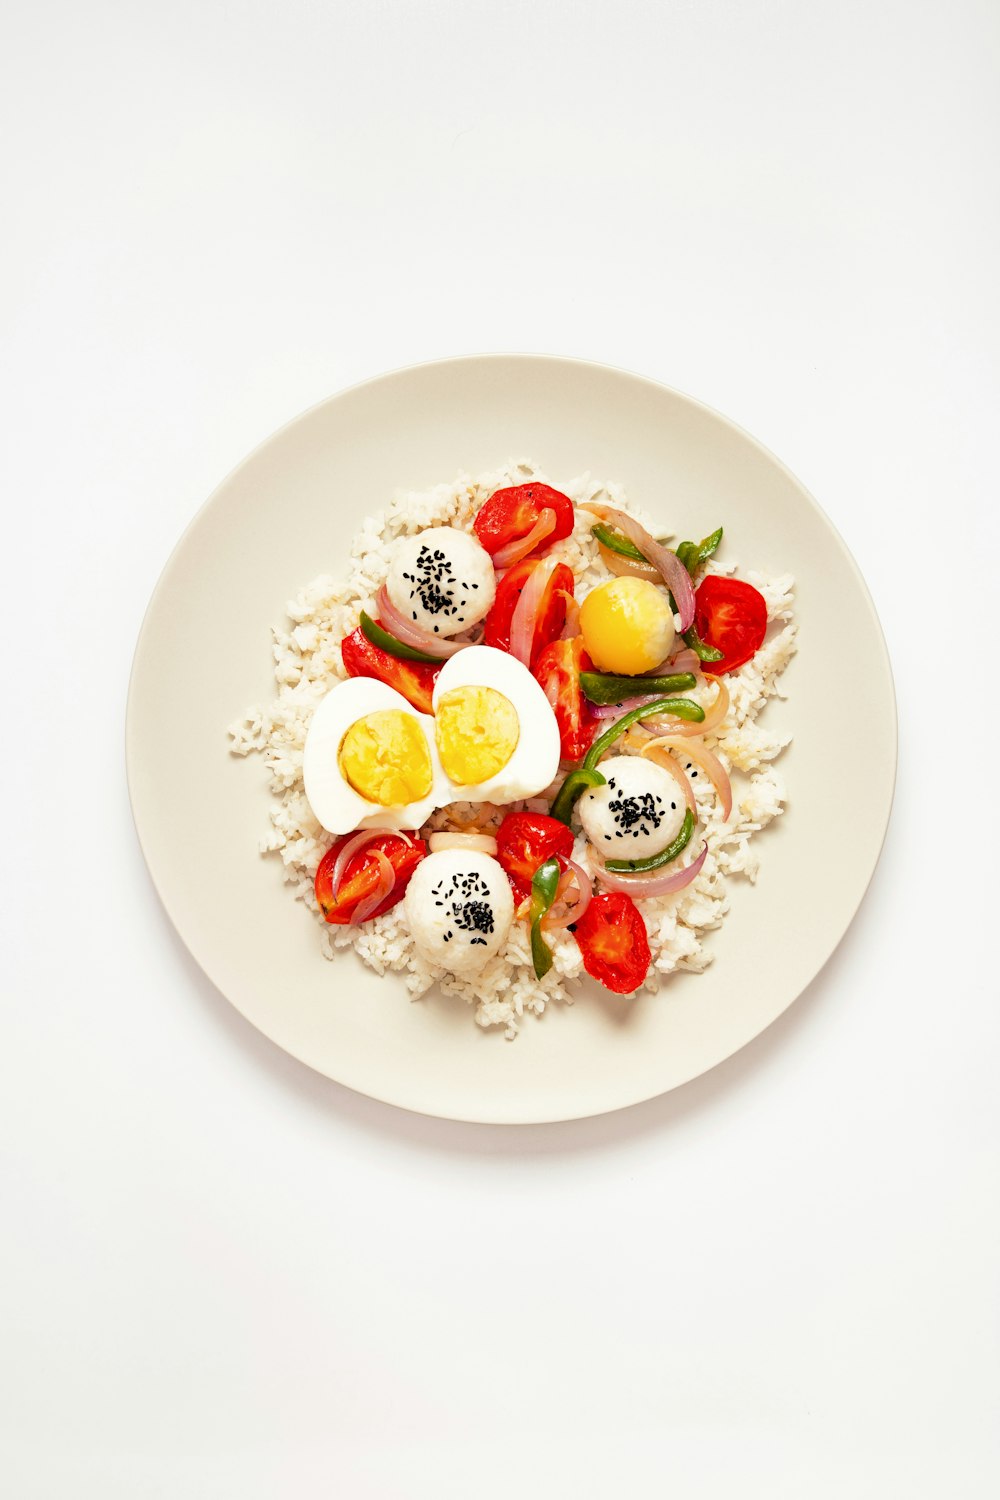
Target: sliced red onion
559,913
571,629
615,710
386,881
359,841
525,617
714,716
655,883
628,567
481,843
666,760
684,661
669,566
411,635
514,551
705,759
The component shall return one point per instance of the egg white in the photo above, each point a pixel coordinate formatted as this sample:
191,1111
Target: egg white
535,761
333,800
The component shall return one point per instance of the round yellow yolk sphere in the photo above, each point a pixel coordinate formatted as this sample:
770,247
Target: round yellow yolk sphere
385,757
477,731
627,626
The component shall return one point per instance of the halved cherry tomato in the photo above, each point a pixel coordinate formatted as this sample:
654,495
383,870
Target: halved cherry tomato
558,670
731,616
551,614
526,840
613,942
509,515
361,876
414,679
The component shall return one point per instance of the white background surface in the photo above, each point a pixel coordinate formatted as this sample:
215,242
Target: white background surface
223,1276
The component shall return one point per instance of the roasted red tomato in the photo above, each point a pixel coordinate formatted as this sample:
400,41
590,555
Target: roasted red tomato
360,878
613,942
558,670
414,679
731,616
551,616
510,514
526,840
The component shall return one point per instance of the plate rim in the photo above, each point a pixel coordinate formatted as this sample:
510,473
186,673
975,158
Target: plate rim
301,417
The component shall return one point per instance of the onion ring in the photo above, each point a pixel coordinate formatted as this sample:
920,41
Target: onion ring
525,616
386,881
706,760
669,566
353,845
561,915
713,717
653,884
684,661
666,760
628,567
411,635
514,551
481,843
571,629
615,710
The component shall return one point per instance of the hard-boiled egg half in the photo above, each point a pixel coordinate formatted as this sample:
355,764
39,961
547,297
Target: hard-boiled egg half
373,761
370,760
497,737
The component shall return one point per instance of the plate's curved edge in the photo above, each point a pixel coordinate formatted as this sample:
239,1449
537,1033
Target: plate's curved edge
537,1118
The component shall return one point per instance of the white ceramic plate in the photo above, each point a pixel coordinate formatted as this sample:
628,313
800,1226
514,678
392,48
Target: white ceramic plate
287,514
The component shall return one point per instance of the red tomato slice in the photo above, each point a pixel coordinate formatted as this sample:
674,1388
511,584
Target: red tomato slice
613,942
414,679
509,515
731,616
551,614
558,670
526,840
361,876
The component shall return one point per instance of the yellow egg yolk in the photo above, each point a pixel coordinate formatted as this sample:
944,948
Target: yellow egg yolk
385,757
627,625
477,732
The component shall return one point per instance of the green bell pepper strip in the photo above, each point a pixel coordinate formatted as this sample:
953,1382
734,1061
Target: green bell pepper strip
603,687
615,542
693,554
687,553
388,643
543,893
640,866
701,651
708,545
681,708
572,789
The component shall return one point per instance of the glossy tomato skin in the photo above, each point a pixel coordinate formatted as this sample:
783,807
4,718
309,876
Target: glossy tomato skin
731,616
558,671
613,942
526,840
414,679
361,875
551,615
509,515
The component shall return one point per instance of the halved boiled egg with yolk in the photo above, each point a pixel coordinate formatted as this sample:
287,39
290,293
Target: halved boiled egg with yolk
371,760
496,735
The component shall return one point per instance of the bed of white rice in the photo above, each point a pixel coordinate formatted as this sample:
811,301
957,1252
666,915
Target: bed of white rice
308,662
